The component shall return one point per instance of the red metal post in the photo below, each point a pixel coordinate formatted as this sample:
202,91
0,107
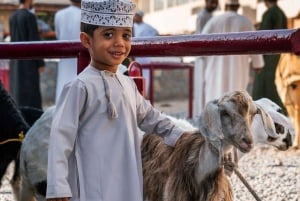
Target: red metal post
150,87
83,60
191,91
135,71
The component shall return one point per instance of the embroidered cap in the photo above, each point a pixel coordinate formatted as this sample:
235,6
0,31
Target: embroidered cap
117,13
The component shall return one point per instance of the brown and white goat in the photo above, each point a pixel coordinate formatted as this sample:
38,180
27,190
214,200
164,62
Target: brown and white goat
193,169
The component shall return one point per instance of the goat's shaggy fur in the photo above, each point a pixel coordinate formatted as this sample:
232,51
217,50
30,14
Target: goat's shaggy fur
173,172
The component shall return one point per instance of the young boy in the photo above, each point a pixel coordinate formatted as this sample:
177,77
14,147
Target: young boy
94,150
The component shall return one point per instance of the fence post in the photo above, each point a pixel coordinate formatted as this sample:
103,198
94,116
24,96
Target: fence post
135,71
83,60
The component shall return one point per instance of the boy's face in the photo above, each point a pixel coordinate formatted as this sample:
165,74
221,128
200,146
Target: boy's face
108,47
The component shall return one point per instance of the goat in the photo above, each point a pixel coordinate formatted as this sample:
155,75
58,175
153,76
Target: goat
13,128
193,169
283,125
33,157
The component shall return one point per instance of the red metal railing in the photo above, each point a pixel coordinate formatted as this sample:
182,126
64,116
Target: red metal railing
255,42
152,66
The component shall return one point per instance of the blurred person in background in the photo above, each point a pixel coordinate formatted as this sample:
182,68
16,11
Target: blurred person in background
25,74
264,81
205,14
142,29
230,72
67,27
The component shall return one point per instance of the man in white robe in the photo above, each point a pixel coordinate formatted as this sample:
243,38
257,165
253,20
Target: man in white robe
230,72
202,18
67,27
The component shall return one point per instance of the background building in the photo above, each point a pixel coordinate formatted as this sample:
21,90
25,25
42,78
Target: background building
179,16
168,16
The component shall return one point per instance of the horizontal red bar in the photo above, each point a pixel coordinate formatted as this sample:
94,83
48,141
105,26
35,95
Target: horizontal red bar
255,42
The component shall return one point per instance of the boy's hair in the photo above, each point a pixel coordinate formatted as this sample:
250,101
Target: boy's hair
22,1
88,28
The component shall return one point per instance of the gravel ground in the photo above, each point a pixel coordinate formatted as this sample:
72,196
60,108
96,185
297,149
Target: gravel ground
5,189
273,175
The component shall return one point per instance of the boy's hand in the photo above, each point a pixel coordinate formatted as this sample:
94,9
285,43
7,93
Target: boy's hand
185,135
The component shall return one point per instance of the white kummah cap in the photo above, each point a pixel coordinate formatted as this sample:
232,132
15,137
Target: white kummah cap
117,13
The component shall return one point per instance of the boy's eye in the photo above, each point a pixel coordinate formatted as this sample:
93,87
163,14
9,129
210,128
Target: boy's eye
127,36
108,34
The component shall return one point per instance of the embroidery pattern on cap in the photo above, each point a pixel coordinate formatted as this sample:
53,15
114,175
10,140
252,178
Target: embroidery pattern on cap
108,13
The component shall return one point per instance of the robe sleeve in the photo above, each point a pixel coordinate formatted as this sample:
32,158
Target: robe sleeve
62,139
151,120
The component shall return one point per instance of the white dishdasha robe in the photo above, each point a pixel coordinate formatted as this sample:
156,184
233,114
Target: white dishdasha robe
92,155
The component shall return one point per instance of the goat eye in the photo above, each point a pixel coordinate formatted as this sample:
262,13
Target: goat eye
279,128
280,111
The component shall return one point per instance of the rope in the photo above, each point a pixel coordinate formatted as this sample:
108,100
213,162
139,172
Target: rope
231,166
20,139
236,171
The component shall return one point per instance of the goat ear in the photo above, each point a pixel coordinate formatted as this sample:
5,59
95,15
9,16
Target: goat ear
268,122
210,124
